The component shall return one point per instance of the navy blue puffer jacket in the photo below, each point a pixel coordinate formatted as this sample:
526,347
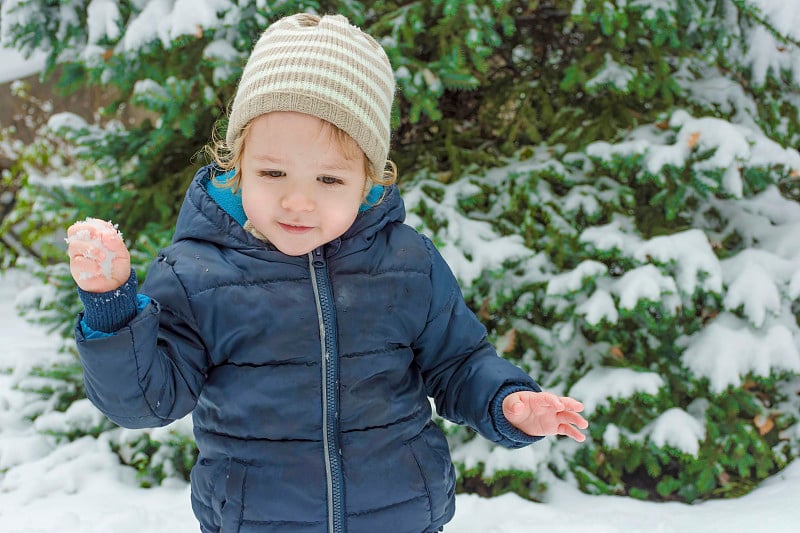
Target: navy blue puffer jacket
308,377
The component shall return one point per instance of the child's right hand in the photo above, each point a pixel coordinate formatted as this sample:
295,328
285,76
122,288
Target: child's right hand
99,261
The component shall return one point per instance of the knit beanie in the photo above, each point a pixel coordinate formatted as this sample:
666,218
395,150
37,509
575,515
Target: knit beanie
324,67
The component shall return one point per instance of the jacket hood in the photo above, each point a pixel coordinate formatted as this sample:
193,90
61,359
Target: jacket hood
217,219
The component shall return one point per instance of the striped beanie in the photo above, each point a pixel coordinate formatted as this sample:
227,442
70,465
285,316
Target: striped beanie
324,67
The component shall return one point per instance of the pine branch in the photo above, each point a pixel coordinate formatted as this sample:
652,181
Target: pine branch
755,14
11,241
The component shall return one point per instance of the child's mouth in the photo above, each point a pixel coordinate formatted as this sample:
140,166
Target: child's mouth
292,228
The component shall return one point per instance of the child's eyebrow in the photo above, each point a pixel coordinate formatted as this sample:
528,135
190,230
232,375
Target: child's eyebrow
268,157
332,164
336,164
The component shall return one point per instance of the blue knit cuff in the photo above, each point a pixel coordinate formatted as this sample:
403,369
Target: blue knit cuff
142,301
110,311
501,423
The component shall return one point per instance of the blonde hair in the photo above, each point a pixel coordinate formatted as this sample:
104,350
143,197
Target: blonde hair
229,158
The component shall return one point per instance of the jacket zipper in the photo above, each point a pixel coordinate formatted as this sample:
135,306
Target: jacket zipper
326,316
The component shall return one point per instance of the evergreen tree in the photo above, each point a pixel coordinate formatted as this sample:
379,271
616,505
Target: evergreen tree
614,183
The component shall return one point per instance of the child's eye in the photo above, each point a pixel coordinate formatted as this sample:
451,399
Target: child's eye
271,173
330,180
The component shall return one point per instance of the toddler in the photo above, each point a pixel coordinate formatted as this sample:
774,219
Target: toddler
298,319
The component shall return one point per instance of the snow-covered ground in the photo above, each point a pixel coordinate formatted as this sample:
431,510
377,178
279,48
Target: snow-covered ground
80,487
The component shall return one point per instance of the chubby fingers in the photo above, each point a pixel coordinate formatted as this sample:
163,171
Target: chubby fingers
571,432
557,403
571,404
544,413
81,230
102,238
99,259
90,266
522,403
543,400
89,229
573,418
569,424
96,230
86,251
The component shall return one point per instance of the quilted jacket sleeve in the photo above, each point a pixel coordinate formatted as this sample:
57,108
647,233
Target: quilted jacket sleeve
462,371
149,372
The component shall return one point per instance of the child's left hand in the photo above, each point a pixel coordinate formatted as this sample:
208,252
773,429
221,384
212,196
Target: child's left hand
544,413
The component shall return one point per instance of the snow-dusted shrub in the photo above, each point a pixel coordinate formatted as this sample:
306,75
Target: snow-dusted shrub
655,280
157,453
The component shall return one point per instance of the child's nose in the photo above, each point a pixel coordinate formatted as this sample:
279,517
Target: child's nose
297,199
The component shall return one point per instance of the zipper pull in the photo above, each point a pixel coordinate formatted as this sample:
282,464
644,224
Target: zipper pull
319,258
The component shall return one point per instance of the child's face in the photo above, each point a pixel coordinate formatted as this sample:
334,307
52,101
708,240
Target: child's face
298,187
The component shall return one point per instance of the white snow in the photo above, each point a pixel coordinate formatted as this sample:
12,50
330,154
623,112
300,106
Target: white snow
572,281
755,291
165,20
16,66
190,16
733,144
600,385
152,23
694,260
600,306
785,16
101,21
762,57
676,428
728,348
646,283
614,235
